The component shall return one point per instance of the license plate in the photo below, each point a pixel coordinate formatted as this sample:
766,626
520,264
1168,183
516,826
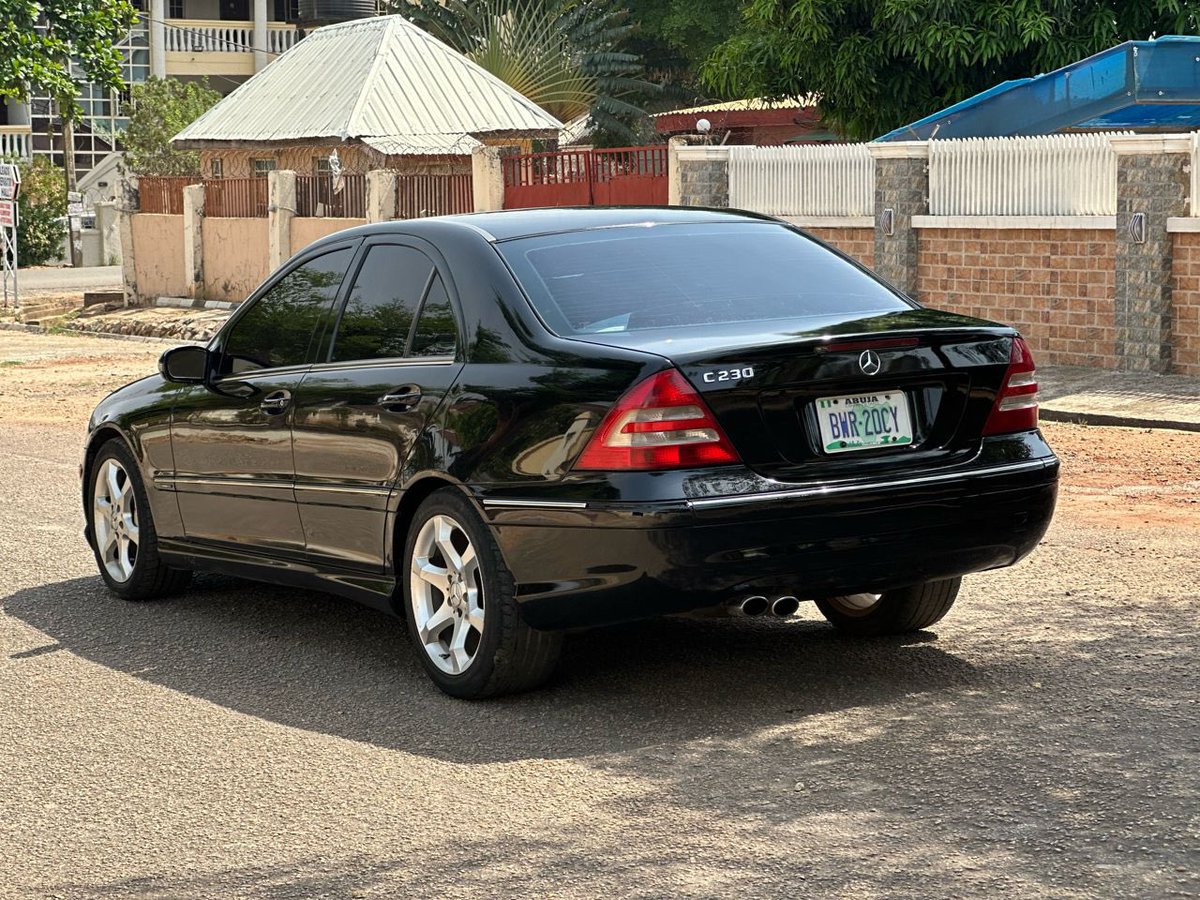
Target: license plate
864,421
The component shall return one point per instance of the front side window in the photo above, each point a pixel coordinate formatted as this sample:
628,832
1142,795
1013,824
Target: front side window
382,304
680,276
277,330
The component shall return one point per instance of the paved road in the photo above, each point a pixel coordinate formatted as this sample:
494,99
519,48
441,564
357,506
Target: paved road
245,741
55,280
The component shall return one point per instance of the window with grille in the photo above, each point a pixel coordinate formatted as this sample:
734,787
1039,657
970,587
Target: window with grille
262,166
175,9
217,168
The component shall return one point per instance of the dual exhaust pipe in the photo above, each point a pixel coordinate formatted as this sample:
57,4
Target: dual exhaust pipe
758,605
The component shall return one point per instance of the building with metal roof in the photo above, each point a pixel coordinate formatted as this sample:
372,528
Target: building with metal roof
1144,86
756,120
377,90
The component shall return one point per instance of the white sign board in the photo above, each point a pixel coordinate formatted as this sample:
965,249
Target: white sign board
8,214
74,204
10,181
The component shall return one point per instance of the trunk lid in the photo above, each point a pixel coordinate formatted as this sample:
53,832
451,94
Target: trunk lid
770,390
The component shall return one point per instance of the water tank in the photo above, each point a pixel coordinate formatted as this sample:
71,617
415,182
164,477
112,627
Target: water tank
325,12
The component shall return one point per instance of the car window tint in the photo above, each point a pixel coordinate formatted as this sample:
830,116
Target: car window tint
380,308
277,329
436,333
686,275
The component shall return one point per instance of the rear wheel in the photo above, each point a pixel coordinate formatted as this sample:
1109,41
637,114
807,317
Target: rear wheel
461,608
892,612
123,535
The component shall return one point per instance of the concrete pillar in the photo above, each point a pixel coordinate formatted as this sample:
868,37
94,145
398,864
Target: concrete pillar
901,192
1152,185
381,195
193,239
261,56
487,179
673,189
127,207
281,209
158,39
702,173
106,226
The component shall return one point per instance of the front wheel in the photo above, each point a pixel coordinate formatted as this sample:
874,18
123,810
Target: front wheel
459,600
123,536
892,612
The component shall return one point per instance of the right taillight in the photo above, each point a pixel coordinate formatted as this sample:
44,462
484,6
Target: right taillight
1016,406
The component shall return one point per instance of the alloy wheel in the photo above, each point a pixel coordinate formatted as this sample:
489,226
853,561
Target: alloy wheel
446,589
115,520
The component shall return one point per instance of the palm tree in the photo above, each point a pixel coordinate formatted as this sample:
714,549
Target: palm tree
564,55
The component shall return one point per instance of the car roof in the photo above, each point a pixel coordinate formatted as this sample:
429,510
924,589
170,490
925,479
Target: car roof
516,223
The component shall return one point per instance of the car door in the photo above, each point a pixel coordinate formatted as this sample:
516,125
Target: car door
393,357
231,439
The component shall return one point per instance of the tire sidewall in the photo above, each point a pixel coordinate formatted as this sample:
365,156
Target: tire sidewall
478,676
116,450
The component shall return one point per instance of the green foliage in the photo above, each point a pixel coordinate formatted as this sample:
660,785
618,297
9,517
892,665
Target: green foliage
86,30
878,64
41,206
567,56
675,36
161,108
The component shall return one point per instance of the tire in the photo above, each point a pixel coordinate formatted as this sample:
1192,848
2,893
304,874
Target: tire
123,538
461,608
894,612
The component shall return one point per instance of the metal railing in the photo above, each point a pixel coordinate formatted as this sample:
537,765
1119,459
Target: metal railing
16,141
433,195
163,194
807,180
324,196
1050,175
208,36
235,198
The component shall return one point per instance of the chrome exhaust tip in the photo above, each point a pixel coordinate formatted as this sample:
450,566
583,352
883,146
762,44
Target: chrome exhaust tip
785,606
750,606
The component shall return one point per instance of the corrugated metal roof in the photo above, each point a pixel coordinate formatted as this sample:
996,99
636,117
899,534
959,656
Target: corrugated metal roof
370,78
751,103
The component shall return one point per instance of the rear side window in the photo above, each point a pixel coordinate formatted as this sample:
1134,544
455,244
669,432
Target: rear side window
382,304
436,333
277,329
672,276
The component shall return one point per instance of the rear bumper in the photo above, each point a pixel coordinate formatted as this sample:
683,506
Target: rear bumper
591,563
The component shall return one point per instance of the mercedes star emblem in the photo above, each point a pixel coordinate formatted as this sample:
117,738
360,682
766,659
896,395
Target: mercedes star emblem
869,362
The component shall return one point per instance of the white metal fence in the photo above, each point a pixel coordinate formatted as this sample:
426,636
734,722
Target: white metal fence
1051,175
809,180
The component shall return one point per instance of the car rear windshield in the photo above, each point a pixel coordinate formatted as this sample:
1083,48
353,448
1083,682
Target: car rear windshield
671,276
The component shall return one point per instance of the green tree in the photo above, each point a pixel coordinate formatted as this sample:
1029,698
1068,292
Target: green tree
161,108
567,56
41,205
878,64
674,37
85,30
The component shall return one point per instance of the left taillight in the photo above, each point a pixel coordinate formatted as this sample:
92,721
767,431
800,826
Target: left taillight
659,423
1016,406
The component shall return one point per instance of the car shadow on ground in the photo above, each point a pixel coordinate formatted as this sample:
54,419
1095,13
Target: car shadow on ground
312,661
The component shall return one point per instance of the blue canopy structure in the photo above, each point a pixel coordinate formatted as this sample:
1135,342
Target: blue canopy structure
1135,86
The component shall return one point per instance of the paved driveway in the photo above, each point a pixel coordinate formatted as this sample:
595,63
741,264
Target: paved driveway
248,741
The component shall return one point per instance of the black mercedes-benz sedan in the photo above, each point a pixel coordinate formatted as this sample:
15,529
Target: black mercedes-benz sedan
505,425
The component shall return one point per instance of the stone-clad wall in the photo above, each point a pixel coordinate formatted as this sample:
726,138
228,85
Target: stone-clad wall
704,182
900,186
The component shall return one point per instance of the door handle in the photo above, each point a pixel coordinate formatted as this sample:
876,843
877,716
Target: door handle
275,402
401,398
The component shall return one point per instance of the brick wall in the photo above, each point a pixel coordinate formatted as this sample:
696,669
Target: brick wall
1185,305
1055,285
856,242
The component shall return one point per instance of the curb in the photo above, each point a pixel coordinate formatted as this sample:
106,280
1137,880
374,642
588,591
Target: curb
73,332
188,303
1087,418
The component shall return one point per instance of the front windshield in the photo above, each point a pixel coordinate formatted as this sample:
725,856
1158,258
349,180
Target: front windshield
672,276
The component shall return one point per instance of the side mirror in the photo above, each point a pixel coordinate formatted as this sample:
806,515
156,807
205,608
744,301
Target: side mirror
184,365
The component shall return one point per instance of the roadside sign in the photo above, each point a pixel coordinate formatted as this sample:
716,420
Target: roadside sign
10,181
8,214
74,204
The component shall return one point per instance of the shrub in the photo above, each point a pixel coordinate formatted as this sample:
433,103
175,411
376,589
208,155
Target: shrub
42,206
